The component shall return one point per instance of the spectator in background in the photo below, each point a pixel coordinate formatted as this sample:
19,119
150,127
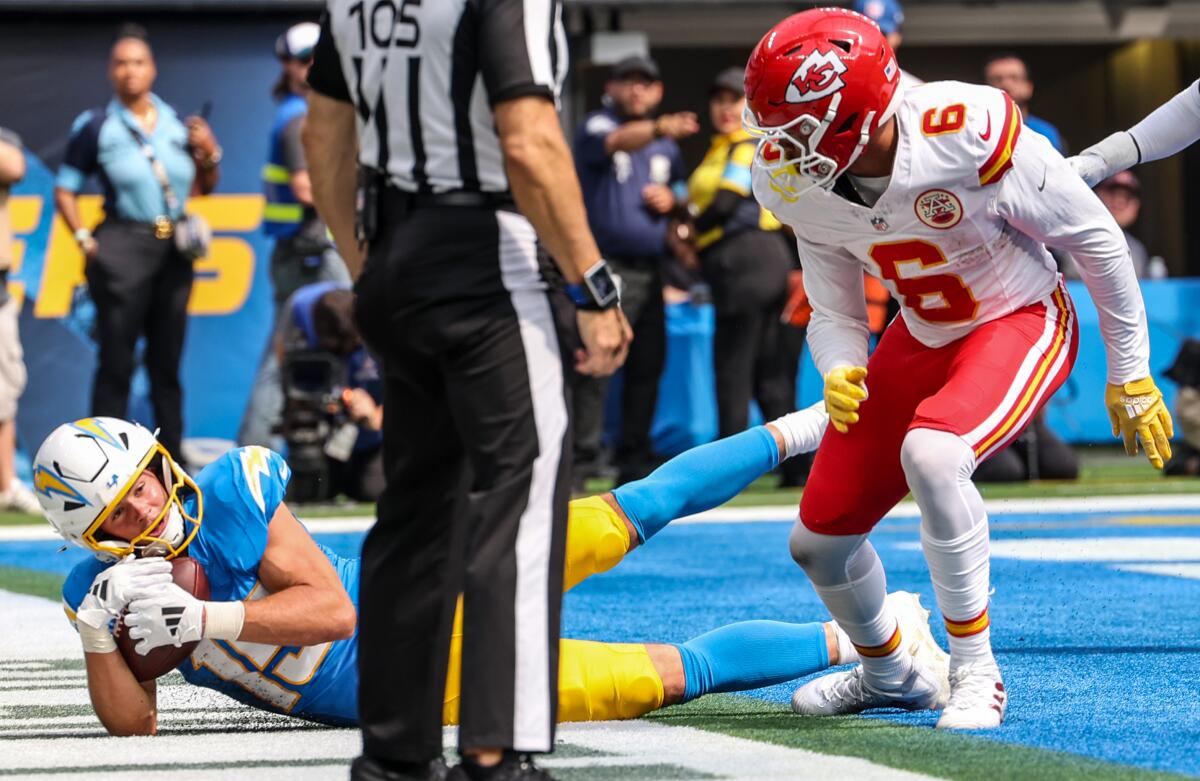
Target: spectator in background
303,253
745,260
889,15
629,165
14,495
1122,194
1007,71
148,160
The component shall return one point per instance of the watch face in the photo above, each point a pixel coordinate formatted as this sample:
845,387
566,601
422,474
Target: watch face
603,286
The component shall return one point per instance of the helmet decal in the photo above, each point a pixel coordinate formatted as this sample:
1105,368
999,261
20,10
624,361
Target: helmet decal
819,76
48,484
94,428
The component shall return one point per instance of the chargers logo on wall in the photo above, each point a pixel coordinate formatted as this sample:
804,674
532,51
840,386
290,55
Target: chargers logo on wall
819,76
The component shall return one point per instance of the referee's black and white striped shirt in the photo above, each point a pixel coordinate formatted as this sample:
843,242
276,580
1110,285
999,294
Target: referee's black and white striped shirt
423,76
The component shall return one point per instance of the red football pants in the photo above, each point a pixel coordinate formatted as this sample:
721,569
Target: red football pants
985,387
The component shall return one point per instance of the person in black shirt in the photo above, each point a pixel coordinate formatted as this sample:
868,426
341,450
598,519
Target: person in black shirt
449,109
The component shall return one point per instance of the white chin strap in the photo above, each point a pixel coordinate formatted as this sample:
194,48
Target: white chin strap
173,534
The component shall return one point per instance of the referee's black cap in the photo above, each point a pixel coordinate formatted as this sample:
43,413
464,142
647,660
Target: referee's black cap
637,64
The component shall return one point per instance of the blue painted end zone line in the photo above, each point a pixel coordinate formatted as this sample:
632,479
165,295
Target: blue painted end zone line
1093,612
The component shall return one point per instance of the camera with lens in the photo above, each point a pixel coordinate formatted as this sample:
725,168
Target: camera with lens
313,415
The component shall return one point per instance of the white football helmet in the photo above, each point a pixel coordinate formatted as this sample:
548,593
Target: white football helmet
84,469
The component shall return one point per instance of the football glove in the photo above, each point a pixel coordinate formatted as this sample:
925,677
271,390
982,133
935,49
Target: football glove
113,588
1137,411
171,616
845,387
1101,160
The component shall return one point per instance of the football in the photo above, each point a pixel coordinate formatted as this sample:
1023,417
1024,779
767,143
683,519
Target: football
190,577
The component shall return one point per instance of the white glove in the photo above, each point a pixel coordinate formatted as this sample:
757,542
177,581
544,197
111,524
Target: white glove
171,616
1100,161
113,588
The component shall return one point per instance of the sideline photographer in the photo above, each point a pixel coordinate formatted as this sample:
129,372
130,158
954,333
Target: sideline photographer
332,416
1186,373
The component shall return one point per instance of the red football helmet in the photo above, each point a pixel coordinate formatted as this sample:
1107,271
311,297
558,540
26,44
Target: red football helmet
818,85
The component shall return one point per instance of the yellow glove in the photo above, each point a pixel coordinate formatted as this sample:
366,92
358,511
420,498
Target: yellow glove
1137,411
845,387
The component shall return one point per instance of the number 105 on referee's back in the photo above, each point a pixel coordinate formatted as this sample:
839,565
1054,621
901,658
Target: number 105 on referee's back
386,23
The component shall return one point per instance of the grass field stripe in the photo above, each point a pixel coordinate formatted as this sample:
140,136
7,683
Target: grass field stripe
939,753
171,766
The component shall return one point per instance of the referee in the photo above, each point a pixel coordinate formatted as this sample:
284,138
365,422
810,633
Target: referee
448,110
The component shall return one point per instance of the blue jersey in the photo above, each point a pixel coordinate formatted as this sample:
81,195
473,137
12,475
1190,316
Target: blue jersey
241,491
101,143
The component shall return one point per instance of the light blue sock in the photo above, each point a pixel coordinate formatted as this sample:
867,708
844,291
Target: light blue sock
751,654
699,479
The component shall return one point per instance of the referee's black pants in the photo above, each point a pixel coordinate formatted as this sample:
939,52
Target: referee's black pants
140,286
477,444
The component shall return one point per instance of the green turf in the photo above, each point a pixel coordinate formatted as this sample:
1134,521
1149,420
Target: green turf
957,757
27,581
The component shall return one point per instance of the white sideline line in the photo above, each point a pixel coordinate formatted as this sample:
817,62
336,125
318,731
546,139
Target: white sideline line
778,512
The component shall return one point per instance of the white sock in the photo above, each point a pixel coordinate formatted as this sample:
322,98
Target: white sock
802,430
960,572
862,616
954,536
847,653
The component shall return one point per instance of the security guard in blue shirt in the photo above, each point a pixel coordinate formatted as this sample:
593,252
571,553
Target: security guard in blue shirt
303,253
629,168
148,160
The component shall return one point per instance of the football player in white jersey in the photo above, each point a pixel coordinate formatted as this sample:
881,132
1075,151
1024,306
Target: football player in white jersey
1170,128
938,192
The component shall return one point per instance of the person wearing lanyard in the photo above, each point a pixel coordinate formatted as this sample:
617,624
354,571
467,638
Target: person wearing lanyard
148,161
745,259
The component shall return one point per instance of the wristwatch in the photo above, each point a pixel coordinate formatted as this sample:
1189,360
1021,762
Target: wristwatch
601,289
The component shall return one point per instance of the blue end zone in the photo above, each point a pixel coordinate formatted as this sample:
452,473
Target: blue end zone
1098,661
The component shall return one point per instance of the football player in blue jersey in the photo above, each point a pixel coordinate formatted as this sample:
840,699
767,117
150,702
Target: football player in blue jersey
278,629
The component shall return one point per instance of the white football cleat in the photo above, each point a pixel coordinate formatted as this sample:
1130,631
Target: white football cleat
849,692
917,639
977,698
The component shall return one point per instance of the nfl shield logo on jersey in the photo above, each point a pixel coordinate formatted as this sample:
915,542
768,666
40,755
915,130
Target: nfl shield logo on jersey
939,209
879,224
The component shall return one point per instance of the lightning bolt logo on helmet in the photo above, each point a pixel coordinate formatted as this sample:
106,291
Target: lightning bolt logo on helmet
818,76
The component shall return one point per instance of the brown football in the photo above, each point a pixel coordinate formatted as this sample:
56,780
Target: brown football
190,577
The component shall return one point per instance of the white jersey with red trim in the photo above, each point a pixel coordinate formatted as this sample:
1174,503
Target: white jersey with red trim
959,235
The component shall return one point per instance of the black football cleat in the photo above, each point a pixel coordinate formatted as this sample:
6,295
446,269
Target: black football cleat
365,768
514,767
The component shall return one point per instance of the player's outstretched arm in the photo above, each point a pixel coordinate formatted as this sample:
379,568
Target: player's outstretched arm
307,603
1042,198
1170,128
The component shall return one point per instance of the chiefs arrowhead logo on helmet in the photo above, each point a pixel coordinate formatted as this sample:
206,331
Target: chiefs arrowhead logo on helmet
819,76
